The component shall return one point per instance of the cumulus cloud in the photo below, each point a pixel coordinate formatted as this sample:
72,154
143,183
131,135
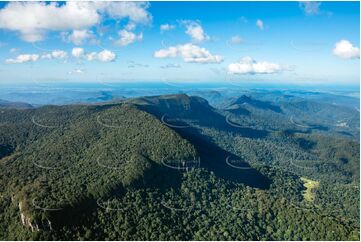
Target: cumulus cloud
23,59
79,37
259,24
345,50
56,54
77,52
190,53
135,11
128,37
90,56
130,26
34,19
103,56
195,31
166,27
310,8
106,56
235,40
59,54
249,66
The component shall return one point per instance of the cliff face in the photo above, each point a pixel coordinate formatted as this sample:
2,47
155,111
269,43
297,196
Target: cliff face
28,222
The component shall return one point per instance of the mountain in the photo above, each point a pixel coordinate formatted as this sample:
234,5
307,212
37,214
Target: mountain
246,100
18,105
102,97
93,151
212,96
179,104
172,167
295,113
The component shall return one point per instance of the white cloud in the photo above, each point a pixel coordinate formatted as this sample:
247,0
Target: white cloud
34,19
130,26
56,54
90,56
135,11
310,8
128,37
78,52
259,24
166,27
103,56
106,56
249,66
78,37
46,56
195,31
59,54
166,53
235,40
313,8
345,50
23,58
190,53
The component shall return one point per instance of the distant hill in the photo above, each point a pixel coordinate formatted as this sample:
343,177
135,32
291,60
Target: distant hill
255,103
295,113
181,107
17,105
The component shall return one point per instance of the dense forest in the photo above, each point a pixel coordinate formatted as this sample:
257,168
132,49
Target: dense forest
174,167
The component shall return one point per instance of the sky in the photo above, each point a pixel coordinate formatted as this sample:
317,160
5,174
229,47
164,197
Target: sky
262,42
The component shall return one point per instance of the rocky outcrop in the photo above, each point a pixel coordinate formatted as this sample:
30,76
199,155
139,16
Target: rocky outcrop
26,220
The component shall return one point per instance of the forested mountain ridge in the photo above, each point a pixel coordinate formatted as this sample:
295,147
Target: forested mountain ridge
171,167
72,153
18,105
296,113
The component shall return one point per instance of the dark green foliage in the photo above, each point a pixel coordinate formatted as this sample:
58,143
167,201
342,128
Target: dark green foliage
97,172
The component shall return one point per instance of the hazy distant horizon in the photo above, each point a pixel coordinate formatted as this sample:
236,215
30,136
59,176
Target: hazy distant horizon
70,93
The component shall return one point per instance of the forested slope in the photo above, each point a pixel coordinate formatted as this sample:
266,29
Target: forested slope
171,168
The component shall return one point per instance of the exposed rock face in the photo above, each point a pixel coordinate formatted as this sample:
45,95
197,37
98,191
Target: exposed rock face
27,221
49,224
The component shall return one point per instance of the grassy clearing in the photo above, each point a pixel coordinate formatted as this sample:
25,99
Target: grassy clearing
310,186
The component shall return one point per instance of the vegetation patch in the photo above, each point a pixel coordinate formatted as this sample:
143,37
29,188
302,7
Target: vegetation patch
310,185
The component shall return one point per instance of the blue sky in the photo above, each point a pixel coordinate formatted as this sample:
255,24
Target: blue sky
271,42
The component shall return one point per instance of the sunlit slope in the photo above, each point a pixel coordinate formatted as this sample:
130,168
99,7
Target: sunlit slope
82,152
171,167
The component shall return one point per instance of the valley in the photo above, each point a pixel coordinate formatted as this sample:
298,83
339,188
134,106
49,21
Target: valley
176,167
